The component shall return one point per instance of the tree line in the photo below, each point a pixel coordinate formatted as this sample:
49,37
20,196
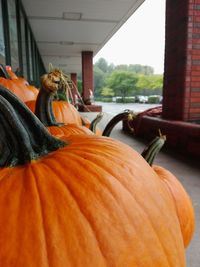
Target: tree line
124,80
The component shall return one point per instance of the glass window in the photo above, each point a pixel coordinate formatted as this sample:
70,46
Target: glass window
23,44
13,34
30,55
2,44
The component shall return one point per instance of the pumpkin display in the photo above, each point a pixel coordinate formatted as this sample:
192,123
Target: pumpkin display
63,110
45,113
18,86
182,201
81,201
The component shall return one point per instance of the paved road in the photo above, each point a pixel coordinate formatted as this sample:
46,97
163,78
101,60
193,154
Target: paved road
114,108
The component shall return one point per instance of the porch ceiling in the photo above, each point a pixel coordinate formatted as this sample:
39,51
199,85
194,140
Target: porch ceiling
65,28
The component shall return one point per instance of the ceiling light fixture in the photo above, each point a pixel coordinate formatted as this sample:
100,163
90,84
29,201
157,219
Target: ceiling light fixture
72,15
66,43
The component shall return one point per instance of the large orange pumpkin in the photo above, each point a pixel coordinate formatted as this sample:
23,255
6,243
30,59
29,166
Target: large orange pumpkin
182,201
92,202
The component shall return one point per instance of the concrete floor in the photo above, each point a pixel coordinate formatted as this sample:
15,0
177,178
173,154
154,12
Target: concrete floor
185,169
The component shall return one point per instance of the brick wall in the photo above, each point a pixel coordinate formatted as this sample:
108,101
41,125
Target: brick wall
181,94
182,136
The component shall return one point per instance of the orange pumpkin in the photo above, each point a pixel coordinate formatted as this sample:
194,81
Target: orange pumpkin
64,112
44,111
82,204
10,72
182,201
18,86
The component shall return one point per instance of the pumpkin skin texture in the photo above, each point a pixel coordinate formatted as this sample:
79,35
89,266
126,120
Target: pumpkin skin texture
67,130
82,206
182,201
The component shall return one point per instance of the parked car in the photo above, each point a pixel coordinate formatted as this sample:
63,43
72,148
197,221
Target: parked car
141,99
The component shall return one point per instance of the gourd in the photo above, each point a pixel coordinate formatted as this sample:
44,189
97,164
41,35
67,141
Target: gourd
182,200
80,201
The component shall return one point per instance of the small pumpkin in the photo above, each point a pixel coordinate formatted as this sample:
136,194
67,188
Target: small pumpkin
11,74
44,111
63,111
18,86
182,200
79,201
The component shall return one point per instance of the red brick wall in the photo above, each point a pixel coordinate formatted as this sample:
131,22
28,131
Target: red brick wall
182,136
87,75
181,94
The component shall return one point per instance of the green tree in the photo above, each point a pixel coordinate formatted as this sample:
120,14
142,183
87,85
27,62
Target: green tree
140,69
106,91
123,83
102,64
99,80
150,84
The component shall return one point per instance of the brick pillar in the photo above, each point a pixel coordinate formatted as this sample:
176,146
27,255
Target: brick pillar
74,87
87,76
181,93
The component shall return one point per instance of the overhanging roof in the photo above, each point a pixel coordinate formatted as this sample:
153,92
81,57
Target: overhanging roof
65,28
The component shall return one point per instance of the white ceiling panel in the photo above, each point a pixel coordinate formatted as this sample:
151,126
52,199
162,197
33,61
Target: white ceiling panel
87,26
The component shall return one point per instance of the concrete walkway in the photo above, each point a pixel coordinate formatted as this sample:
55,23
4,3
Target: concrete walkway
185,169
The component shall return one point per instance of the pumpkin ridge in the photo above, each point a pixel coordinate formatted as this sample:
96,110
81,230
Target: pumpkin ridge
36,191
146,214
75,201
124,185
82,210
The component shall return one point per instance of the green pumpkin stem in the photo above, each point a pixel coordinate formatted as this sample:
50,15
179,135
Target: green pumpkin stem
22,136
93,124
125,115
44,108
153,148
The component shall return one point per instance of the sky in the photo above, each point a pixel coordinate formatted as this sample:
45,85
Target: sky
140,40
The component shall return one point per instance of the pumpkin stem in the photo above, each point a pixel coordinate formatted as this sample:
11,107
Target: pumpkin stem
125,115
93,124
22,136
3,72
43,108
150,152
51,83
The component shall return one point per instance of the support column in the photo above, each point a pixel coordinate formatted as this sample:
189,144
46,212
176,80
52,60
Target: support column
88,83
73,77
181,93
